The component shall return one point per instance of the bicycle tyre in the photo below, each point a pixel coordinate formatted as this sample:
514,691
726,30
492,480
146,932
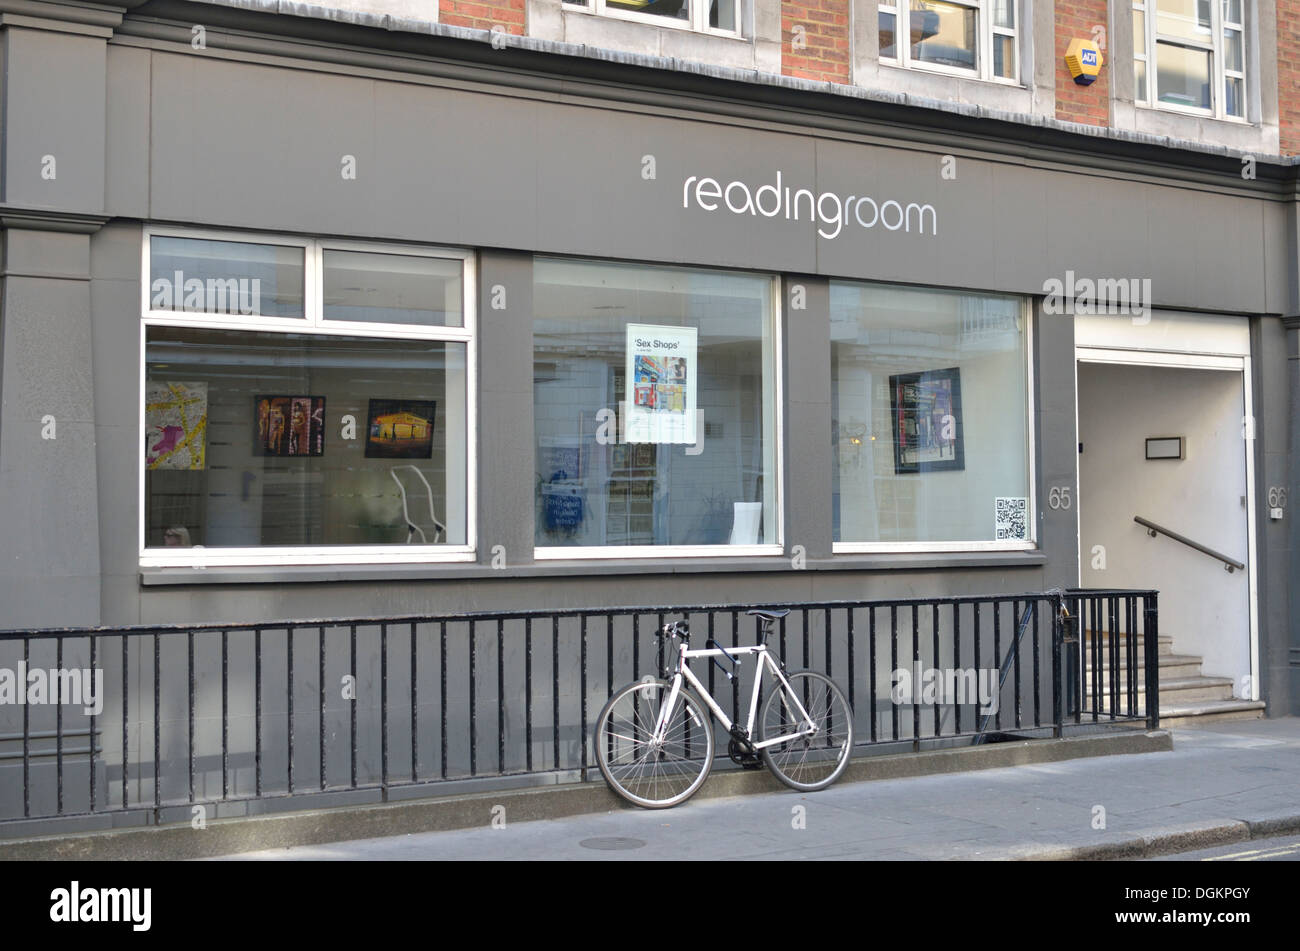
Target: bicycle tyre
808,763
627,721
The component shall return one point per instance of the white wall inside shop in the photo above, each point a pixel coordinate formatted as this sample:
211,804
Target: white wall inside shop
876,502
1204,608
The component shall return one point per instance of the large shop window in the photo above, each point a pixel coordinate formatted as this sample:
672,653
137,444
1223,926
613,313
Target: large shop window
654,399
305,402
930,417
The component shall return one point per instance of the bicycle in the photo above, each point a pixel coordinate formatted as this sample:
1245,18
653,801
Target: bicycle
649,755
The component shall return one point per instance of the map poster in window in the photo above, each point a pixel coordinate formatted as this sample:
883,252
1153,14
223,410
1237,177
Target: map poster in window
662,369
175,425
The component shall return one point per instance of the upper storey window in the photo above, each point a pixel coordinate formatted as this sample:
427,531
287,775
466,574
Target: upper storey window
1189,56
705,16
963,37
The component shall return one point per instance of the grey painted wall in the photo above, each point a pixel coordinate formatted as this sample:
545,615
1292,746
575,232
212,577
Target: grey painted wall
48,481
259,146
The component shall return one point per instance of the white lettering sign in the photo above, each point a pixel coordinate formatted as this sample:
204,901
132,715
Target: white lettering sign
831,212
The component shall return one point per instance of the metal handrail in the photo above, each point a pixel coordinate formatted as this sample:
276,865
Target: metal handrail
1153,530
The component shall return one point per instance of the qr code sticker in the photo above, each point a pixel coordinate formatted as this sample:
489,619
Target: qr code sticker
1009,519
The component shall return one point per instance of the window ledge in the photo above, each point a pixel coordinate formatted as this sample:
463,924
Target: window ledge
1228,133
917,81
307,574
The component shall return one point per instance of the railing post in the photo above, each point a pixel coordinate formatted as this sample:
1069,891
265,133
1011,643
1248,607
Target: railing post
1058,633
1151,648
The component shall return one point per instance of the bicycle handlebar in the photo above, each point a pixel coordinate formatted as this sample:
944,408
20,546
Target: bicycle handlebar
676,629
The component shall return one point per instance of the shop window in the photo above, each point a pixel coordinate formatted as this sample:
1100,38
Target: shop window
964,37
1189,56
930,420
322,419
226,277
654,401
716,16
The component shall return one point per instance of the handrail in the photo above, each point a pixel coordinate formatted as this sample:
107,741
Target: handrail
1153,530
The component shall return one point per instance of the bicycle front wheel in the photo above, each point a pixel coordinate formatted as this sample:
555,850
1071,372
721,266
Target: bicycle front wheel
645,771
808,760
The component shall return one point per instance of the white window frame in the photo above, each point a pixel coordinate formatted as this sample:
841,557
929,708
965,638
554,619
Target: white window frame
698,22
313,323
777,548
1032,515
1145,53
985,30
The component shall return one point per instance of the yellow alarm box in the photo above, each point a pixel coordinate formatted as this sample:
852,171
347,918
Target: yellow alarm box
1084,60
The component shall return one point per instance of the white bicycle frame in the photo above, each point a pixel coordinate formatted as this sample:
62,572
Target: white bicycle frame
764,661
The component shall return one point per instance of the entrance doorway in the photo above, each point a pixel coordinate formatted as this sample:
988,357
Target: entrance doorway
1199,489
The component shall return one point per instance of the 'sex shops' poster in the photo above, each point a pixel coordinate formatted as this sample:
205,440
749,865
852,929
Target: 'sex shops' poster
662,367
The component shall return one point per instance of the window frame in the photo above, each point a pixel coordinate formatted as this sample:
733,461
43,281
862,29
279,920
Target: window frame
773,549
985,30
697,23
1030,544
312,323
1216,47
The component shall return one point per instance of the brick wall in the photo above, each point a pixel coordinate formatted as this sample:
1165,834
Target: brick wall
483,14
1075,103
815,39
1288,75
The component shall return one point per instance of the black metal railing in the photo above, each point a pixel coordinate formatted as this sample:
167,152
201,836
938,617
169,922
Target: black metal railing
209,714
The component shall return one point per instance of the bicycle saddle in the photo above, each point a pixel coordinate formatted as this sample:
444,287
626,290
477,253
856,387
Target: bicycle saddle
769,615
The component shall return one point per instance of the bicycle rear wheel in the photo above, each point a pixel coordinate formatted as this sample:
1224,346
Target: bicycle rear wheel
814,761
650,774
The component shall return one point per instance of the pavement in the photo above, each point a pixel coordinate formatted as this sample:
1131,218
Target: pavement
1223,783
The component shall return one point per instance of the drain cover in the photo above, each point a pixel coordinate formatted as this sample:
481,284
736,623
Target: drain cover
611,843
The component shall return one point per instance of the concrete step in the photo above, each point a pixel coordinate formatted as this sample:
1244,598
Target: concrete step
1187,692
1186,695
1210,712
1165,642
1172,666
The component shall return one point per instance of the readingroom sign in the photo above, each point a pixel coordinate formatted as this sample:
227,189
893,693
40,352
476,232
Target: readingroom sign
831,211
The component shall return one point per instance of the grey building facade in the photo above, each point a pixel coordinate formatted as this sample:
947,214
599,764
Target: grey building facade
833,256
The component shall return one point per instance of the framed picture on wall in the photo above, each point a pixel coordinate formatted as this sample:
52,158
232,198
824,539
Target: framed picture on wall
925,410
289,425
400,429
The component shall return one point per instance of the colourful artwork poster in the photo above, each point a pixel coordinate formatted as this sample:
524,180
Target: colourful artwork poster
290,426
662,367
400,429
175,425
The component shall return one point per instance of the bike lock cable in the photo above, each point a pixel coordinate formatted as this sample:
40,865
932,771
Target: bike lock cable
734,663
